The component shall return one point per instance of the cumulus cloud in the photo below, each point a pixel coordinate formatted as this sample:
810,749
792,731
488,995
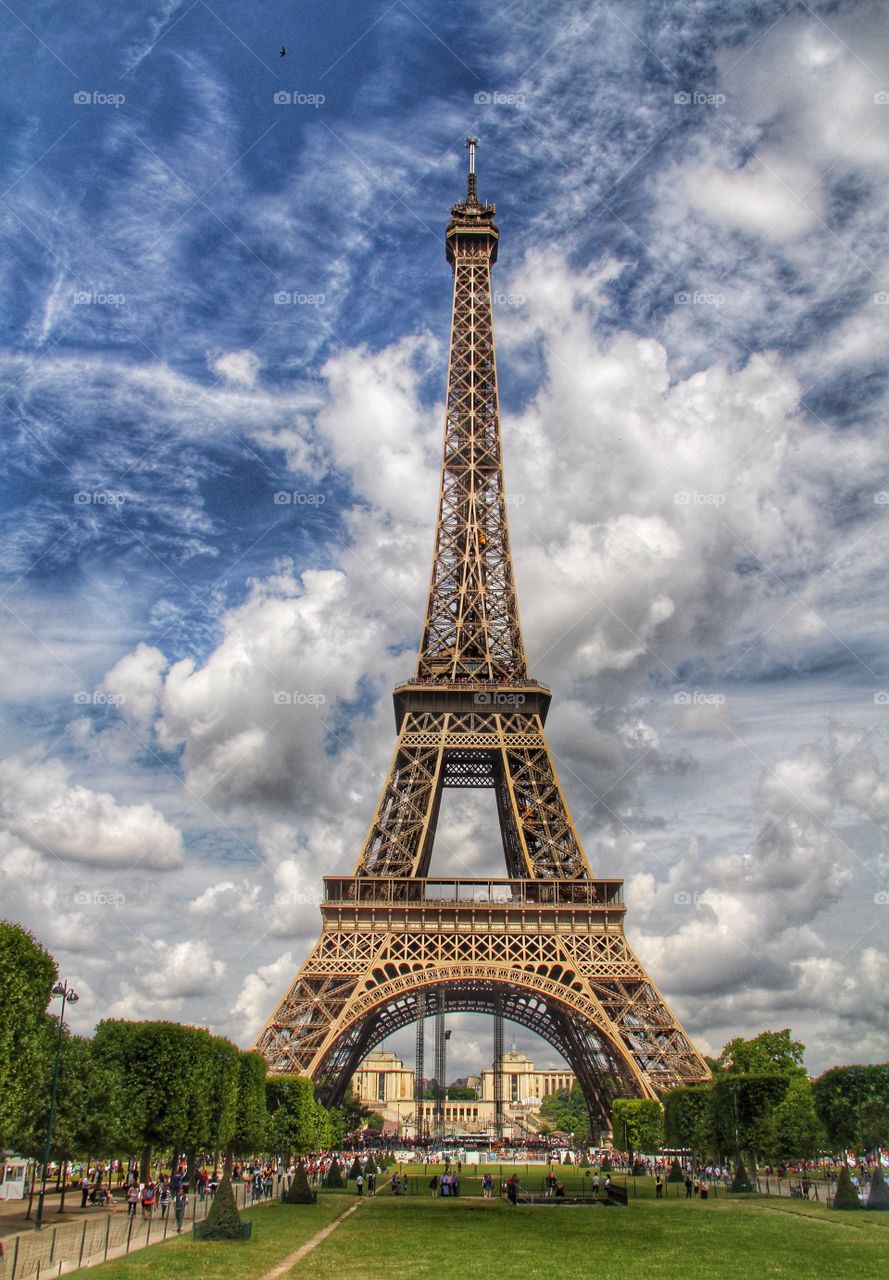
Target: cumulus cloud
42,809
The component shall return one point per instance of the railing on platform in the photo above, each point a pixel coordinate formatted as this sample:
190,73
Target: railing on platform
492,893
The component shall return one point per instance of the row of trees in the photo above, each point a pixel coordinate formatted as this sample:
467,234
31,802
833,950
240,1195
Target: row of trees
762,1103
141,1087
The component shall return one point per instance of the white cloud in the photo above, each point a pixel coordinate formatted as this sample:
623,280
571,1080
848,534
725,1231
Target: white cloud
76,824
238,367
137,681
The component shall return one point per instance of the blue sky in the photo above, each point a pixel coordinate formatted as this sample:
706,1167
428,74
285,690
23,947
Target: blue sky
225,309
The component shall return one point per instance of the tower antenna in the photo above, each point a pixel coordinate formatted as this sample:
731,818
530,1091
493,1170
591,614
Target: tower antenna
471,194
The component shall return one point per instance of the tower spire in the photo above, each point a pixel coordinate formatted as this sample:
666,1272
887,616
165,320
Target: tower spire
471,192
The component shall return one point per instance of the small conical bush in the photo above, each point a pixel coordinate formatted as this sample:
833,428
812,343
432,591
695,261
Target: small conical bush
878,1197
846,1196
223,1222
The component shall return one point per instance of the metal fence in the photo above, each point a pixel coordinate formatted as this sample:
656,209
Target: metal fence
100,1236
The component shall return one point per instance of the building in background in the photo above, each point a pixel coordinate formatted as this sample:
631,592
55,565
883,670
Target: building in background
386,1085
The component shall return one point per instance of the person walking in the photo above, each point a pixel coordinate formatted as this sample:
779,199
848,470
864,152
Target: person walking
148,1197
132,1198
689,1186
433,1183
659,1188
371,1184
180,1203
487,1186
359,1184
164,1197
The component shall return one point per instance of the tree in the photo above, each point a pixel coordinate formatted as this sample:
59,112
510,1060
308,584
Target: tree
334,1177
743,1111
251,1122
853,1105
797,1131
27,973
567,1110
770,1053
639,1122
689,1120
298,1122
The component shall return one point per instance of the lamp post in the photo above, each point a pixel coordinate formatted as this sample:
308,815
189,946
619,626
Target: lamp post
69,996
737,1135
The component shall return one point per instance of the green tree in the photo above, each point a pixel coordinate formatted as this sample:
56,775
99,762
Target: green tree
299,1123
797,1131
689,1120
567,1110
638,1122
251,1121
27,973
743,1111
769,1053
846,1197
853,1105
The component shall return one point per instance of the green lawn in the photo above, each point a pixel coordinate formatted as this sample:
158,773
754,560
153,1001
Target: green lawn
278,1229
421,1236
716,1240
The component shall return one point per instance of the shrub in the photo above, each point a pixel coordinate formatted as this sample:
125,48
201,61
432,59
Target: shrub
846,1196
223,1222
741,1182
675,1174
299,1191
878,1197
354,1170
334,1176
605,1167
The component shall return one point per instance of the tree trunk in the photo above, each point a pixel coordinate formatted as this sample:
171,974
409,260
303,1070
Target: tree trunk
192,1168
145,1164
64,1187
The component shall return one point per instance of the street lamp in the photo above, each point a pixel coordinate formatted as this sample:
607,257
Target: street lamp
69,996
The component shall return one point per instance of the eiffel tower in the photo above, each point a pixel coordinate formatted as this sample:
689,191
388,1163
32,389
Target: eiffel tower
544,946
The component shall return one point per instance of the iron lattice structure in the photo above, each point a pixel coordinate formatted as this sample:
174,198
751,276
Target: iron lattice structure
544,947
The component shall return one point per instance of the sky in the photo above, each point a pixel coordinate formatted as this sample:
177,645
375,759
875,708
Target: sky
225,306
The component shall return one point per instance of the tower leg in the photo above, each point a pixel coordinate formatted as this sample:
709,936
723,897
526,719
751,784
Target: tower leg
498,1071
419,1065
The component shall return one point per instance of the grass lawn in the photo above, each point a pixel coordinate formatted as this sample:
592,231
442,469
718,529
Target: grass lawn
719,1240
278,1229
